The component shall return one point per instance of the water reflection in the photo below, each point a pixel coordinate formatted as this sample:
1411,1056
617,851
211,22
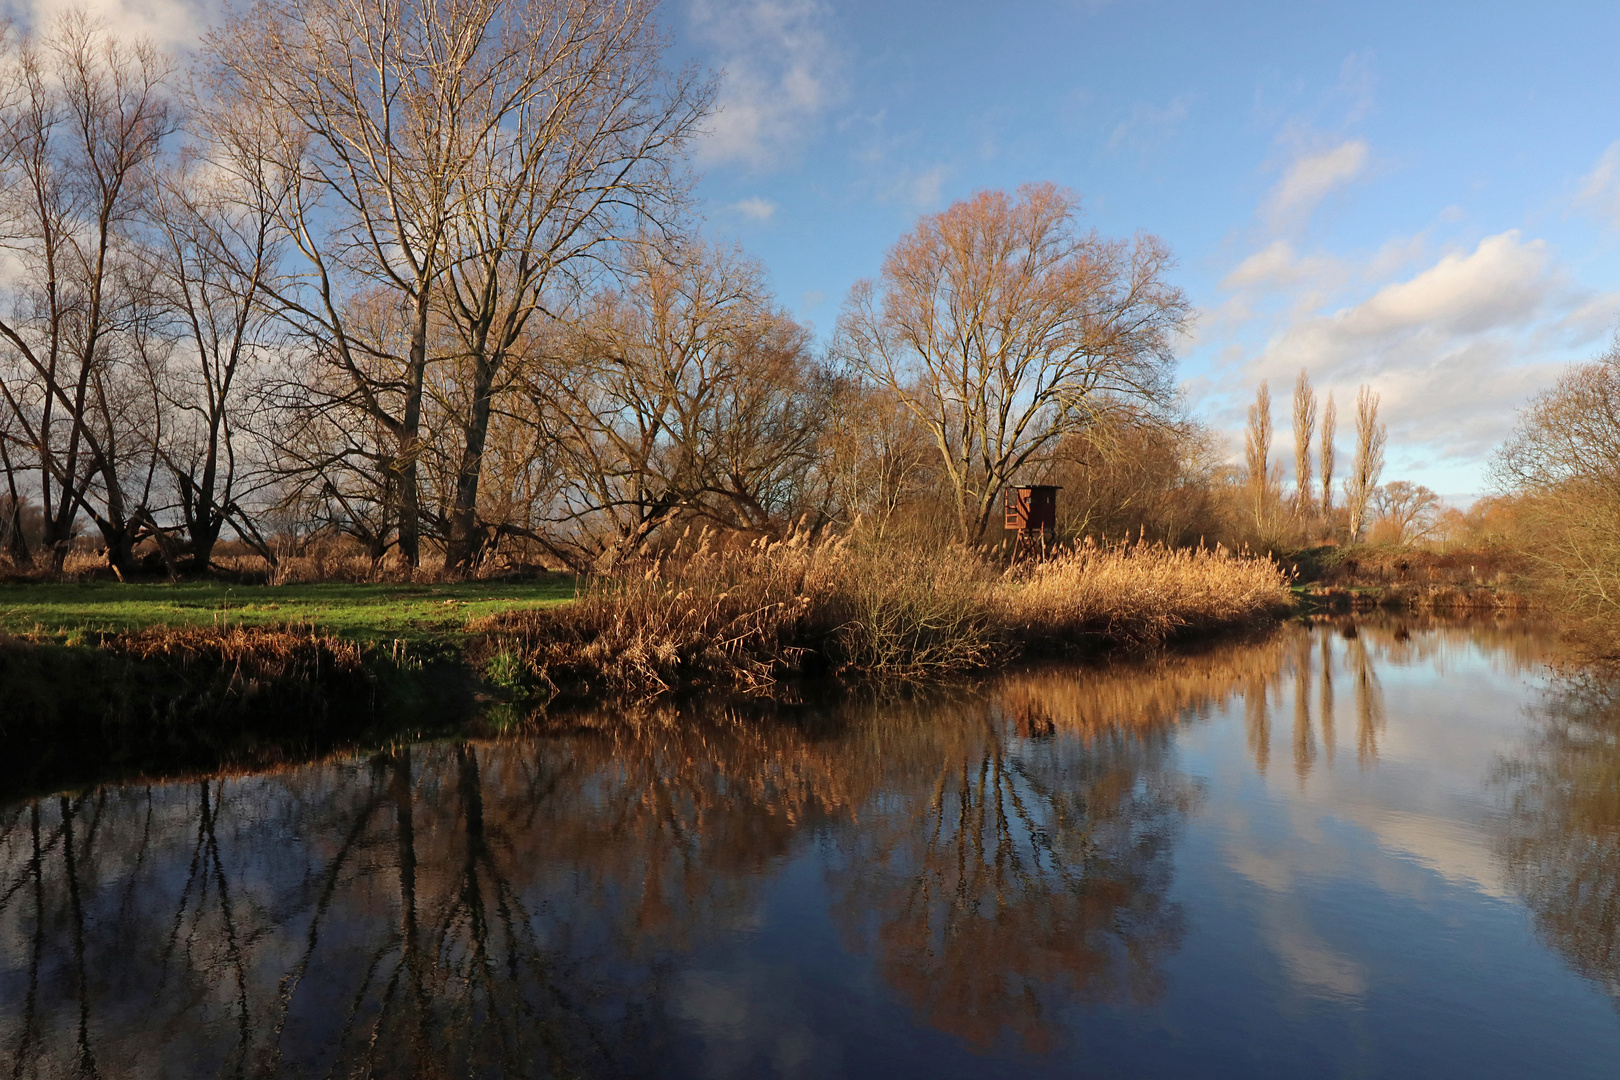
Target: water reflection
527,907
1560,840
1053,858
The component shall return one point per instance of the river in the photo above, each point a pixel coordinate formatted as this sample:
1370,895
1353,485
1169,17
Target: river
1346,848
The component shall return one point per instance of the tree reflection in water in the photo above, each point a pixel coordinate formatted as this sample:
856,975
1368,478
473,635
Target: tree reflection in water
1022,874
1560,839
521,907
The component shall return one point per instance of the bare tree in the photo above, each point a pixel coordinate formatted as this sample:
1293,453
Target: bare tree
1330,423
13,531
365,102
685,392
1408,511
82,119
331,462
875,455
450,156
1002,328
215,245
1564,456
599,127
1153,480
1304,431
1369,460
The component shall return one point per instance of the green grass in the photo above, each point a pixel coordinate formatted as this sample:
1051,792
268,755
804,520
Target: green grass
365,612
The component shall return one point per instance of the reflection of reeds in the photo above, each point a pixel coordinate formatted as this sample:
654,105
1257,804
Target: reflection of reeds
1135,695
503,907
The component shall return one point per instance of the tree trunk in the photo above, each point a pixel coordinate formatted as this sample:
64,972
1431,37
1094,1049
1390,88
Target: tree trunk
410,439
463,547
17,542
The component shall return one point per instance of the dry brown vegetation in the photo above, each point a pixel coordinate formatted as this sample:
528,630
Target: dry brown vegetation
174,699
246,655
1561,466
745,615
1138,593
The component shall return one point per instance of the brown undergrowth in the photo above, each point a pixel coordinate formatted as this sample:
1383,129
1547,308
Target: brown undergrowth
164,700
245,655
744,616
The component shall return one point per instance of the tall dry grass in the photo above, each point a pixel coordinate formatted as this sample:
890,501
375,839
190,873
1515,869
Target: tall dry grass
1136,594
744,615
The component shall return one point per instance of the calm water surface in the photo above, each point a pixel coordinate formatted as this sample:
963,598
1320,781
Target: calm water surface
1373,849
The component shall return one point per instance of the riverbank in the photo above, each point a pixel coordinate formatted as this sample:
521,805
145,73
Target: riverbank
141,679
1416,597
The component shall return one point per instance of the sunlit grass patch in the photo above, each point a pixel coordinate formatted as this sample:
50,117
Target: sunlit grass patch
64,610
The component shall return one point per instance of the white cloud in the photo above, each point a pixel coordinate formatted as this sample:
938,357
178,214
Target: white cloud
1600,188
1146,125
760,209
169,24
781,75
1311,179
1597,317
914,187
1501,284
927,189
1455,340
1454,348
1277,265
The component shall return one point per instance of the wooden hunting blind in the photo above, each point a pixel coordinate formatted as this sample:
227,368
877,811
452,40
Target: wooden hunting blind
1032,509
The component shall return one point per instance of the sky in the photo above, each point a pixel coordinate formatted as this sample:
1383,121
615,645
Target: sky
1423,198
1420,197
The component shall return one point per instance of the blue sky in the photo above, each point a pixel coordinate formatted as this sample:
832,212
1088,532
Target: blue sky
1421,197
1425,198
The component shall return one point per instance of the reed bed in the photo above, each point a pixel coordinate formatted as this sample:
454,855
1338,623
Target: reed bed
1137,594
746,615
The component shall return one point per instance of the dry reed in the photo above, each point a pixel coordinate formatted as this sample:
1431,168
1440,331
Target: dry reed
743,616
1137,594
